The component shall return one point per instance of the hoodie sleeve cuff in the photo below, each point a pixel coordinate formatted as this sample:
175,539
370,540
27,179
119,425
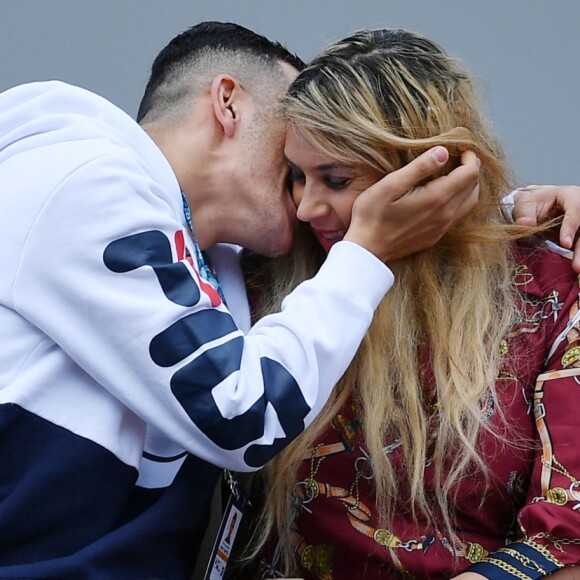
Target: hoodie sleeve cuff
358,271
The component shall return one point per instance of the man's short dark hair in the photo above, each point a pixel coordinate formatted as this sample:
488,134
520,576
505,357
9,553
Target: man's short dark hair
203,51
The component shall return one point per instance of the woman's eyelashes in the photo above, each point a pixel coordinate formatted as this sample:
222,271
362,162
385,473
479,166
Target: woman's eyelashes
336,181
330,180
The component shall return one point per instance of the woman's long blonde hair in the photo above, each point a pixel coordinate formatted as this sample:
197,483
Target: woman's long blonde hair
379,99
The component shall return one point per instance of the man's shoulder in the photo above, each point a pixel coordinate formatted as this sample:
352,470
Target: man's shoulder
41,113
56,94
58,128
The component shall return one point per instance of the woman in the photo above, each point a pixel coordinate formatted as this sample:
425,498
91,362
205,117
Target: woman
448,448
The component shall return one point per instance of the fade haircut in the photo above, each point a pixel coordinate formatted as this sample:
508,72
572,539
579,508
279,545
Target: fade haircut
193,58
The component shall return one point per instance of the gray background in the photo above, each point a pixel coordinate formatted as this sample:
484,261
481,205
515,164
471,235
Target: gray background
525,53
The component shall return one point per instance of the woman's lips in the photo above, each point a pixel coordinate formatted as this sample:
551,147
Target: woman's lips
328,238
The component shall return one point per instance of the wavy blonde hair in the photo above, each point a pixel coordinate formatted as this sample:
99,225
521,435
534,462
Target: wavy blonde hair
379,99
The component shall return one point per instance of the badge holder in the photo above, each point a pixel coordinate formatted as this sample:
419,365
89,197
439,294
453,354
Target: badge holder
230,525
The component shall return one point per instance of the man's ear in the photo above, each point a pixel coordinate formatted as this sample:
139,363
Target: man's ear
225,91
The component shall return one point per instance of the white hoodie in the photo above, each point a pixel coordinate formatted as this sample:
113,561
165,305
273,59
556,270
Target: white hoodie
110,343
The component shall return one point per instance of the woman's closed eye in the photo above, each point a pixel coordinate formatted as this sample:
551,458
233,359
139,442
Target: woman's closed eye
337,181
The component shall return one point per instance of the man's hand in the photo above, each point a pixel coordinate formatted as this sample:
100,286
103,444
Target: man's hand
397,217
535,204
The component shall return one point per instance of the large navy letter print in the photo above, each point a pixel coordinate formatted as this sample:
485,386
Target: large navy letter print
192,384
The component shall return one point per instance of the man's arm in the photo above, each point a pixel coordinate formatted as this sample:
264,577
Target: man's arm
535,204
107,275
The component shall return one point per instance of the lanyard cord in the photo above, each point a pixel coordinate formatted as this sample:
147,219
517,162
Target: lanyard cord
206,269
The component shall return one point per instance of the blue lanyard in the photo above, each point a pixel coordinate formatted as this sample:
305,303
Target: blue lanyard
206,270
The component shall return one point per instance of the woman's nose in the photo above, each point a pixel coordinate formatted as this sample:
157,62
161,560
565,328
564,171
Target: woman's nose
310,206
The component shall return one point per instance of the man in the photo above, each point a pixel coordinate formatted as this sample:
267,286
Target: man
126,385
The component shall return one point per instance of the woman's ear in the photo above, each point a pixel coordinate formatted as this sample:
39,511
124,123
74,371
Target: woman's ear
224,93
